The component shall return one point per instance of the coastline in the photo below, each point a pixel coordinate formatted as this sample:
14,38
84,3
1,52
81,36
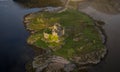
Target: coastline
104,51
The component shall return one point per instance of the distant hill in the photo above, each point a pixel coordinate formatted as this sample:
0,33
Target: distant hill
39,3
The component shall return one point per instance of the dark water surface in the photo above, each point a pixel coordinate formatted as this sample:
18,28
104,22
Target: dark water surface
14,52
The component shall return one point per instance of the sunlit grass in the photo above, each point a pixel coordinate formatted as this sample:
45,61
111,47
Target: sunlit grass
81,36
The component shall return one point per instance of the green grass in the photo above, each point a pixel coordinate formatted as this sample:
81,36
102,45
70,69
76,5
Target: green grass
76,24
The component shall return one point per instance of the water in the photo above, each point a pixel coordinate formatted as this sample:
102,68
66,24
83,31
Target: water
14,51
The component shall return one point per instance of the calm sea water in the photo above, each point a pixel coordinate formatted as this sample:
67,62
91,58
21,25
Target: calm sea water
14,52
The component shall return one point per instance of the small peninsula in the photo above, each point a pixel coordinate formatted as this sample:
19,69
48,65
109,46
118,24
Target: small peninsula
70,40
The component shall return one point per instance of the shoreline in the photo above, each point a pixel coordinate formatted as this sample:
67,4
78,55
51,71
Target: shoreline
26,22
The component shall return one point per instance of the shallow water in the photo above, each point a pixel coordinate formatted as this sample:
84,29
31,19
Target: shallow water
14,52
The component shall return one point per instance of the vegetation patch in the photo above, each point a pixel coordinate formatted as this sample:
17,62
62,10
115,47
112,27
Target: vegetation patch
67,34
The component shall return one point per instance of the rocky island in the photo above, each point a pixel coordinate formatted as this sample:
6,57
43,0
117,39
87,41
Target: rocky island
69,39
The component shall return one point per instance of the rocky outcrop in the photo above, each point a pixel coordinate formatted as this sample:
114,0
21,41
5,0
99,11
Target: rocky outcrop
52,64
90,58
